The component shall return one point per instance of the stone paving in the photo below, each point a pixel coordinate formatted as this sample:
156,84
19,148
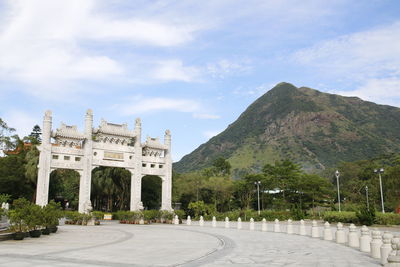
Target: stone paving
169,245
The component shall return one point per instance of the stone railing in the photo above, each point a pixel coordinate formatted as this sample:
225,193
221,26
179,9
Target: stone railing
384,246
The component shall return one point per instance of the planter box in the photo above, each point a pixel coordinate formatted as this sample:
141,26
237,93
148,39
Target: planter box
19,236
35,233
46,231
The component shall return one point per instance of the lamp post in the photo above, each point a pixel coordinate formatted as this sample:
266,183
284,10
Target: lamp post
366,194
337,174
258,195
379,172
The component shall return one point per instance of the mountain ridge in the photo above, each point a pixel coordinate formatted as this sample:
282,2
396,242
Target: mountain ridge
312,128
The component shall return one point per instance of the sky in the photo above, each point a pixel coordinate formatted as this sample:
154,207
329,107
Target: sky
189,66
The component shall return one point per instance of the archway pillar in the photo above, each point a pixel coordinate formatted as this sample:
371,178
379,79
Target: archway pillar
166,194
136,190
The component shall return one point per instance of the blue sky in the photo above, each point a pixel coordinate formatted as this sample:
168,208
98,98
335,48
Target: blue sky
188,66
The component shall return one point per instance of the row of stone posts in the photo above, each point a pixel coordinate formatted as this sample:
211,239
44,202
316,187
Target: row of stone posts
385,247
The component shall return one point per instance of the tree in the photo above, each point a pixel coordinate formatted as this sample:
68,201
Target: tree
222,167
314,189
284,176
7,140
35,135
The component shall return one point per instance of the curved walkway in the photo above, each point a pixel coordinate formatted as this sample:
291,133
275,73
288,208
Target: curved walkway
169,245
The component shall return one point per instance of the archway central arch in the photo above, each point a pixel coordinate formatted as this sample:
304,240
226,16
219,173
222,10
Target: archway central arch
109,145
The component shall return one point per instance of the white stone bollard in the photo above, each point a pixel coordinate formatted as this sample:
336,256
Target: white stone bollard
239,223
277,227
251,224
340,234
289,229
214,222
354,239
302,228
314,229
201,221
376,244
394,257
264,225
328,232
176,220
365,239
226,222
188,220
386,247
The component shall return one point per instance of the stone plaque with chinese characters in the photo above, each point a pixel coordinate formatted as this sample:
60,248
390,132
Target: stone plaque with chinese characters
108,155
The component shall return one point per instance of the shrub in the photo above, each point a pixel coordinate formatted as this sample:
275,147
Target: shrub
51,214
344,216
19,214
121,215
180,213
151,215
98,215
34,217
166,215
366,216
297,213
387,218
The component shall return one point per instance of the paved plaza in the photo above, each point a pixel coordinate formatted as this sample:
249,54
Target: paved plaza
115,244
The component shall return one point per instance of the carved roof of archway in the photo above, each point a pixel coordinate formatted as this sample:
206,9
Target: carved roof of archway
154,143
67,131
114,129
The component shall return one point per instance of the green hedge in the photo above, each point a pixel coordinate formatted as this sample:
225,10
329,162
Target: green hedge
343,217
351,217
387,218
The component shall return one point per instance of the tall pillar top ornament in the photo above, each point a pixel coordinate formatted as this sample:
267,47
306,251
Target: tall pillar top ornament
47,115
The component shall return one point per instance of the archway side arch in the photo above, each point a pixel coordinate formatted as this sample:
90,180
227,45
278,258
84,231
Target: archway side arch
151,192
64,187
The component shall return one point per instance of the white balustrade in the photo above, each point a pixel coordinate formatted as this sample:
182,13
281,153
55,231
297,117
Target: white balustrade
277,227
386,247
264,225
340,234
365,239
328,232
289,229
314,229
239,223
354,239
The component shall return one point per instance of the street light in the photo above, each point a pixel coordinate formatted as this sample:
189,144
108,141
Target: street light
258,195
366,194
337,174
379,171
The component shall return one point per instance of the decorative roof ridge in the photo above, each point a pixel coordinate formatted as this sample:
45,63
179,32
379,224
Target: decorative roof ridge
114,129
154,143
68,131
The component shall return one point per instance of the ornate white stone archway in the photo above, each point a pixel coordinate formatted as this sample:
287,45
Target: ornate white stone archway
111,145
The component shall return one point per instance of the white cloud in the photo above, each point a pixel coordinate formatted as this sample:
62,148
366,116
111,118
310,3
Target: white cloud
206,116
158,104
22,121
369,58
360,55
210,134
378,90
146,105
224,68
45,43
174,70
254,91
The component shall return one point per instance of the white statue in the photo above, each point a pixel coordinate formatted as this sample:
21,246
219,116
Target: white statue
140,205
88,207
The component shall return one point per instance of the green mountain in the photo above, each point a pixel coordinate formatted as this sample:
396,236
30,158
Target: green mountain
311,128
